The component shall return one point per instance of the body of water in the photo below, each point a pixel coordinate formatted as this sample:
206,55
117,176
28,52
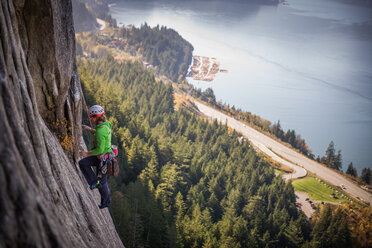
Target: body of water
305,63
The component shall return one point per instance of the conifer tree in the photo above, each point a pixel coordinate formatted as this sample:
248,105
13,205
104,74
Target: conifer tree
351,170
330,155
294,235
331,230
320,236
366,175
337,164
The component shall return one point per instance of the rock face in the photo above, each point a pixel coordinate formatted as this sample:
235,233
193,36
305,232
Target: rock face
45,201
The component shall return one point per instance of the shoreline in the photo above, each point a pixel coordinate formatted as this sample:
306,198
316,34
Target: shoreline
204,68
302,163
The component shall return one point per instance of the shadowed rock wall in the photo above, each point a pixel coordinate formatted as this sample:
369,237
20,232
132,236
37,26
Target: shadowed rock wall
45,201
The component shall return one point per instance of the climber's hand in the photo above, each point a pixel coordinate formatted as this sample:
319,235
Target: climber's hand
83,154
85,127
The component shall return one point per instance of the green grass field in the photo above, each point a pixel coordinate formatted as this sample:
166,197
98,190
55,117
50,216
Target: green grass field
280,171
317,191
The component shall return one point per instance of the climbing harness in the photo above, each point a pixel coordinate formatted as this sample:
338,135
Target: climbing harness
105,158
108,165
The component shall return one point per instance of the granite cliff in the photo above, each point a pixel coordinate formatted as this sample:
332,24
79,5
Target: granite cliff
45,201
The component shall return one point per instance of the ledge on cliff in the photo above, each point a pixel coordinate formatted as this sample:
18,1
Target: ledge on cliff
45,201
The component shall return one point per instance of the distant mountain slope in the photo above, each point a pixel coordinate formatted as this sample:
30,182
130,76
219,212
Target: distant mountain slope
44,201
161,47
85,13
83,19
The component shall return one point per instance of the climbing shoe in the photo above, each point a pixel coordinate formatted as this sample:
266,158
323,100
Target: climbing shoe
101,206
97,184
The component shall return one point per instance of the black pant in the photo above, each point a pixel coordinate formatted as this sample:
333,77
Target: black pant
86,167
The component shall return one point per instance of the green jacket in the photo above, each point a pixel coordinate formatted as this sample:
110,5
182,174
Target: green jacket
102,139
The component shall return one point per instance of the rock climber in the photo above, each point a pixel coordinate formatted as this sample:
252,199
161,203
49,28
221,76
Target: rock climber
95,157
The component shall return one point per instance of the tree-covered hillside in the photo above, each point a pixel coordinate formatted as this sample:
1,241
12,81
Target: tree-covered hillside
85,13
186,182
83,19
161,47
183,181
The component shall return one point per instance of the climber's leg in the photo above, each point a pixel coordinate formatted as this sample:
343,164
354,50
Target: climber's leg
86,168
105,193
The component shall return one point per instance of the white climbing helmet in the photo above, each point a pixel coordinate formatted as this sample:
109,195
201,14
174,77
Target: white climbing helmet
96,110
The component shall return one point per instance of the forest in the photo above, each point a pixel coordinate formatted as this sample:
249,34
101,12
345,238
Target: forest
83,19
187,182
334,161
161,47
85,13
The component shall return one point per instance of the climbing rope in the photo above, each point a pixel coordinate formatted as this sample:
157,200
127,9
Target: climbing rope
90,121
87,110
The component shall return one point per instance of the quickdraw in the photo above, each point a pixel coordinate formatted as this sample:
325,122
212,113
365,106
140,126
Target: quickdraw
105,159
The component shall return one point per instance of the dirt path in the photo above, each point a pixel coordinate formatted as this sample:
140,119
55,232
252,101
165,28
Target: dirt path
263,142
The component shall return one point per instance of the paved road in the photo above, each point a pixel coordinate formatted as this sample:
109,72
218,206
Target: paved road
305,205
256,138
263,142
